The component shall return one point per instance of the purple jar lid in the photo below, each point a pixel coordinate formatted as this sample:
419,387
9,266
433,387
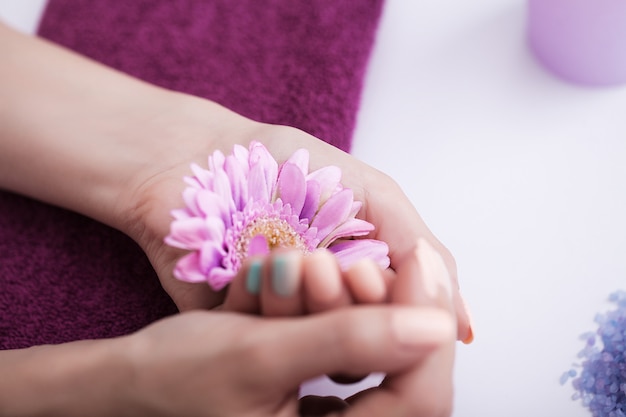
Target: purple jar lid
581,41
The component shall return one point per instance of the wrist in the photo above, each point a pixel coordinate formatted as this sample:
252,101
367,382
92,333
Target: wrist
180,130
73,379
91,133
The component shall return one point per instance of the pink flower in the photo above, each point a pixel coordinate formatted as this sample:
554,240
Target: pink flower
245,204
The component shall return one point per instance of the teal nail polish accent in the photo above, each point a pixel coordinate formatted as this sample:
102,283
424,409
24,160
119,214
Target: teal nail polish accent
253,279
280,276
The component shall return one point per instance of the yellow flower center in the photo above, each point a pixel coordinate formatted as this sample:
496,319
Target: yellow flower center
278,233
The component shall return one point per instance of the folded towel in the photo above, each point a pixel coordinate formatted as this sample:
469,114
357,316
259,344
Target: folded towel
300,63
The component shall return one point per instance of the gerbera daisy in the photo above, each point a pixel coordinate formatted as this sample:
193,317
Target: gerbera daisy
245,204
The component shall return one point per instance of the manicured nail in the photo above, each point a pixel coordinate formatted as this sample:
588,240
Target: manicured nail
253,279
285,273
470,335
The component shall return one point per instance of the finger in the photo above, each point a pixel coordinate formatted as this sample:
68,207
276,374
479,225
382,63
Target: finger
366,282
327,288
353,340
423,279
281,287
465,325
243,291
366,285
400,229
322,283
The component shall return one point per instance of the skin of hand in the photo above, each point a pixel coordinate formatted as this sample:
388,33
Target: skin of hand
411,340
384,205
116,149
315,281
276,354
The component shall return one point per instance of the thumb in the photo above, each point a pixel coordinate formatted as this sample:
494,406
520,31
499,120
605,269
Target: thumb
355,340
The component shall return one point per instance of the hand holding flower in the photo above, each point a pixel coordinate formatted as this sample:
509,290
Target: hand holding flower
412,343
382,204
127,149
115,149
245,205
207,127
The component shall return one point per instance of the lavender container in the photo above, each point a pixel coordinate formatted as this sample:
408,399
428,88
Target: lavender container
581,41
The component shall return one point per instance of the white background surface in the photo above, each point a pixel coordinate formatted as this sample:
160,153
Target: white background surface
520,174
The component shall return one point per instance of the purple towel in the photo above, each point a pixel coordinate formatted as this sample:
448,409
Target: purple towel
64,277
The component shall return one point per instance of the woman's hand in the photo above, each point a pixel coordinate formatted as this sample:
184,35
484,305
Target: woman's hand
225,364
213,363
385,205
241,365
116,149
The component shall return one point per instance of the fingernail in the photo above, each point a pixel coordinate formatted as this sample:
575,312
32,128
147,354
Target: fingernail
470,335
419,328
285,274
253,279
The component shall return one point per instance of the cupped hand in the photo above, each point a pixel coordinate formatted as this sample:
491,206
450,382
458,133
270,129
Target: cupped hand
157,190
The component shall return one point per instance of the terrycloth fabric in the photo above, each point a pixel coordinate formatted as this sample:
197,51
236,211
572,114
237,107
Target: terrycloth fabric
296,62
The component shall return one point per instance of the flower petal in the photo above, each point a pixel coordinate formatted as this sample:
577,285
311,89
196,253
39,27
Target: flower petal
219,278
300,158
351,227
241,154
188,233
263,173
188,268
333,212
237,174
210,256
216,161
189,197
350,251
222,187
258,246
202,176
211,205
328,178
311,200
356,207
216,229
291,187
